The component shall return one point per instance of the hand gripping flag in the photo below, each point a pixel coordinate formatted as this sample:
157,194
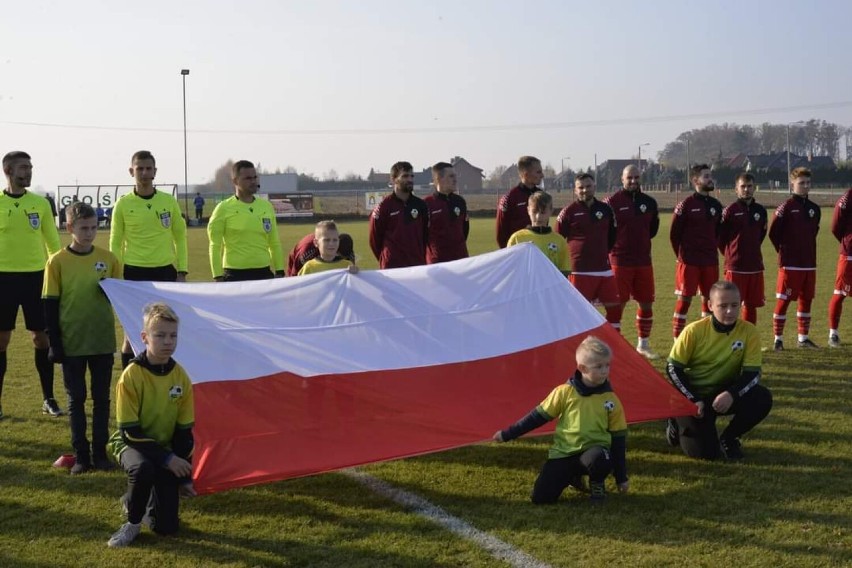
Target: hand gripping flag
303,375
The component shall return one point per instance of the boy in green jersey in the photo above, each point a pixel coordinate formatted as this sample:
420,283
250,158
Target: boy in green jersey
716,363
539,233
81,329
327,241
591,432
28,236
154,413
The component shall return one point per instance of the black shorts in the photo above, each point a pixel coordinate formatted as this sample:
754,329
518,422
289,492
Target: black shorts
244,274
21,289
166,273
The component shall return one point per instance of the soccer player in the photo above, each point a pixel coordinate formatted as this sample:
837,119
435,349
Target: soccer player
591,432
327,241
741,233
841,228
148,232
154,413
793,233
539,233
448,221
716,363
81,329
399,224
27,235
637,221
512,209
694,234
588,226
243,233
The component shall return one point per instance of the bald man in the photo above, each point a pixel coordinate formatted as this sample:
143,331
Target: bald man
637,222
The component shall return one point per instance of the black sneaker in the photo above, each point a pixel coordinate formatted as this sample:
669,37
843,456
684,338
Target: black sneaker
808,344
672,432
51,407
731,448
578,482
779,345
598,492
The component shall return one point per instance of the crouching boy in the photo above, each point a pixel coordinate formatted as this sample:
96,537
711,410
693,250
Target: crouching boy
154,414
590,437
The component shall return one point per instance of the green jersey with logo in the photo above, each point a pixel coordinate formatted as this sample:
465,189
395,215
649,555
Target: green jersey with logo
148,231
27,232
244,235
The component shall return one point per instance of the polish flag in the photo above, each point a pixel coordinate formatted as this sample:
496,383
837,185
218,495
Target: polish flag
299,376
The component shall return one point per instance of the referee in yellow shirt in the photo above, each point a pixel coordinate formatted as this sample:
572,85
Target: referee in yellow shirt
148,232
27,235
243,234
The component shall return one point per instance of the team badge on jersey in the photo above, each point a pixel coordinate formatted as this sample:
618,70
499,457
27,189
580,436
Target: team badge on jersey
166,219
811,212
609,405
35,220
457,211
599,215
643,208
552,247
101,268
267,224
712,210
737,346
757,216
175,392
414,213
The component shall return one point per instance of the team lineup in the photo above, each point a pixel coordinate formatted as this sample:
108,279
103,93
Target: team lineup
603,247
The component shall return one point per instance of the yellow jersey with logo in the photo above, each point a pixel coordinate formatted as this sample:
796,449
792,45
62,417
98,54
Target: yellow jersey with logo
244,235
28,232
551,243
584,420
86,322
713,359
148,231
157,403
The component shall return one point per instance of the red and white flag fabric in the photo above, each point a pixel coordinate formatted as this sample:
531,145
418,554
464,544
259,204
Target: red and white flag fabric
303,375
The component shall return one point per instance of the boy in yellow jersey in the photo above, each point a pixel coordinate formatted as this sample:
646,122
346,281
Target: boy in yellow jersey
27,235
154,414
716,364
81,329
243,233
540,208
591,435
327,241
148,232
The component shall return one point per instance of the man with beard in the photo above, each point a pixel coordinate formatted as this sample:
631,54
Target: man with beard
743,228
243,233
448,221
588,226
694,234
793,234
637,221
399,223
27,236
512,210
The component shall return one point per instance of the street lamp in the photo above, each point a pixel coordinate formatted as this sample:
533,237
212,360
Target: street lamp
639,160
183,74
562,173
789,124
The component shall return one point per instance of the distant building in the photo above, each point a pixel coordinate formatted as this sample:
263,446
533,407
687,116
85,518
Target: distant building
778,161
378,178
468,177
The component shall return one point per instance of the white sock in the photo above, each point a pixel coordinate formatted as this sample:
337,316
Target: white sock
802,338
779,338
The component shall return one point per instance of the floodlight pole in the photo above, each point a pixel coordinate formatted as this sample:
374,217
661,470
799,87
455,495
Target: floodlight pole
639,160
184,73
562,173
789,180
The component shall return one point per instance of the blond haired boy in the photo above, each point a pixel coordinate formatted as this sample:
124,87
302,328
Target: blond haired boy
591,432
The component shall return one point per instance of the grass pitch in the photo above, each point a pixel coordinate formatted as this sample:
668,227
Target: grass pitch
787,504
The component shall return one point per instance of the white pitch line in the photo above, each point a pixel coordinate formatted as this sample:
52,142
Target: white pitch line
498,548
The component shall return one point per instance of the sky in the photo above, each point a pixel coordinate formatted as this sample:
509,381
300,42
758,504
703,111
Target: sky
349,86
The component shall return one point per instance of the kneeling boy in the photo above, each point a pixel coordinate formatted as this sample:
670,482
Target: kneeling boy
590,437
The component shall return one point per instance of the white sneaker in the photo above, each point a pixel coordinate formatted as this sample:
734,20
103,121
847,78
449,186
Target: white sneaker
647,353
125,535
834,340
